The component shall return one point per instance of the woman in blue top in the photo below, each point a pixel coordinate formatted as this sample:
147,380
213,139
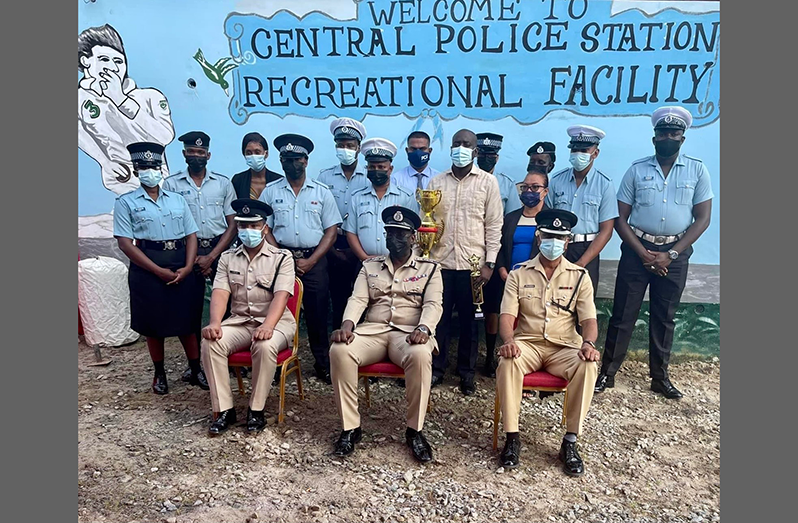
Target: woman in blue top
161,276
518,245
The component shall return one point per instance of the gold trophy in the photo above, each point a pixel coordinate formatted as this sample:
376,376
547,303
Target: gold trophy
430,231
476,289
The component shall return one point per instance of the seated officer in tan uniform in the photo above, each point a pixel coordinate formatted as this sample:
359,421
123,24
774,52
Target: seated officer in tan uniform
402,297
548,294
260,279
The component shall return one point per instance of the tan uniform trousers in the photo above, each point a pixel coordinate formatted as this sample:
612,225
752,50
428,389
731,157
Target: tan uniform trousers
557,360
365,349
236,338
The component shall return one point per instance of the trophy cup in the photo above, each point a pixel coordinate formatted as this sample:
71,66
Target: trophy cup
430,231
476,289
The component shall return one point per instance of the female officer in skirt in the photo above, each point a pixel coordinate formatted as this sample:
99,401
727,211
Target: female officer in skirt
161,277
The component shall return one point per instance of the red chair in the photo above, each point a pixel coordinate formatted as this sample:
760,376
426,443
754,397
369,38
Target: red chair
540,381
382,369
287,359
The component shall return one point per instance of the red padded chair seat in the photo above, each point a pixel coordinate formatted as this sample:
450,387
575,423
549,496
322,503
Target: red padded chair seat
382,367
244,357
544,379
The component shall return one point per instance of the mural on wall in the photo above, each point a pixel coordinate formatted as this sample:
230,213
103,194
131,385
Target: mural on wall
113,111
523,69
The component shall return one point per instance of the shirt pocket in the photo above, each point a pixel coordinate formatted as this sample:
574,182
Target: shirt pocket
414,290
215,209
282,215
365,218
143,224
237,288
312,215
645,193
685,191
478,197
561,201
529,301
178,217
376,288
263,292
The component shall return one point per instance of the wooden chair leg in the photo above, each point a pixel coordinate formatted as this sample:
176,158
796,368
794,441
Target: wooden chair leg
564,407
496,416
240,381
368,395
281,411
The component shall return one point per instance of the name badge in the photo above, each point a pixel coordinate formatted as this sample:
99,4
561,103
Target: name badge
565,288
529,286
647,178
373,275
278,200
235,272
139,209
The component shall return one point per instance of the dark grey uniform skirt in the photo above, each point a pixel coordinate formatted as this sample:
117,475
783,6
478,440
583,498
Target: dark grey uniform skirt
158,310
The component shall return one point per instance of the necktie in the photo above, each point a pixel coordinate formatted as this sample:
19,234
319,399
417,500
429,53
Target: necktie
419,179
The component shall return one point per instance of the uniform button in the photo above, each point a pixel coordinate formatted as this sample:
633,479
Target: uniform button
201,207
250,304
203,221
164,225
390,323
393,308
378,239
394,295
664,201
548,285
249,270
663,218
297,233
396,280
546,336
546,320
296,216
666,183
249,287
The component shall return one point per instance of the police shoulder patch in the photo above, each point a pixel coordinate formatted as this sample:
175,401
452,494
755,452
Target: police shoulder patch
420,259
560,173
640,160
693,158
401,189
374,259
604,175
322,185
220,175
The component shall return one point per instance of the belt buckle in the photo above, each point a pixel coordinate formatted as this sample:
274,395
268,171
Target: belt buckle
298,253
659,240
169,245
205,243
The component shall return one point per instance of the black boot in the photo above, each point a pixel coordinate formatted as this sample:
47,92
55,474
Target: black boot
223,422
346,442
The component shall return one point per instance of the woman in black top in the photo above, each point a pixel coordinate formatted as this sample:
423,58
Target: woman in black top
250,183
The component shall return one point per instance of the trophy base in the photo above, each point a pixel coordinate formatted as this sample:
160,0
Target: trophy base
479,315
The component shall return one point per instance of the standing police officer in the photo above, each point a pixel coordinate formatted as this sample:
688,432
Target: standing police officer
209,195
542,154
590,195
305,222
364,226
665,203
343,180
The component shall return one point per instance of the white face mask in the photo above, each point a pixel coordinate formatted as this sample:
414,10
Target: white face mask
256,162
250,237
346,156
580,161
150,177
462,156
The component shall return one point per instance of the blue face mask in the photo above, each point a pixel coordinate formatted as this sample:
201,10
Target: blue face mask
462,156
250,237
345,156
552,248
150,177
256,162
530,198
418,158
580,161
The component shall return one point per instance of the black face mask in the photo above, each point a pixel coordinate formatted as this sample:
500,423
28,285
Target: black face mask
668,147
378,178
398,246
485,163
196,163
292,170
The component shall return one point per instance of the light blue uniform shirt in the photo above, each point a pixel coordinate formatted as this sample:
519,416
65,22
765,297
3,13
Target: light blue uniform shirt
406,177
342,188
138,217
592,203
664,206
509,193
299,221
209,203
365,215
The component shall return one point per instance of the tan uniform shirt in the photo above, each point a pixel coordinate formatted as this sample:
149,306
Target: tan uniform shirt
401,298
473,214
528,295
250,284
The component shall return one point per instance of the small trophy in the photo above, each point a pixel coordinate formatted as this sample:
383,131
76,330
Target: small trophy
430,231
476,288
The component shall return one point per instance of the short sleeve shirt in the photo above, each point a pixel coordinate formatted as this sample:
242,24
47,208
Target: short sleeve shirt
139,217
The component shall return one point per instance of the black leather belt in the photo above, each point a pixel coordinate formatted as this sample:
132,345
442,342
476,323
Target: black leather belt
168,245
299,253
208,243
657,239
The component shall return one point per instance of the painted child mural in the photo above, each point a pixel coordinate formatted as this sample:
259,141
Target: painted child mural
113,112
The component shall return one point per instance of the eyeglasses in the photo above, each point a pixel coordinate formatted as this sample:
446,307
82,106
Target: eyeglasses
536,188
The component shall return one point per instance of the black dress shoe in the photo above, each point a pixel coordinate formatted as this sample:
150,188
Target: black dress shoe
604,382
436,380
511,455
571,461
159,385
666,388
256,421
324,375
223,422
200,380
467,387
489,371
419,445
346,442
186,375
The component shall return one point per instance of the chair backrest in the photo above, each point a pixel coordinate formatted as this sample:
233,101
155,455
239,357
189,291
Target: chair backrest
294,305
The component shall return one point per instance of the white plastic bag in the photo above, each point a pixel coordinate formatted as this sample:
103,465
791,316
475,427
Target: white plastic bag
104,302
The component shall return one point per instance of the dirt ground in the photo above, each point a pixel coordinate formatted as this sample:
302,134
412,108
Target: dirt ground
143,457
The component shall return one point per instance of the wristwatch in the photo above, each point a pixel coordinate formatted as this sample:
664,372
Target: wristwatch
424,329
592,344
673,254
490,265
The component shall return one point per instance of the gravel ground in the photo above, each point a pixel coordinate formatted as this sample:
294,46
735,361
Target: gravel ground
143,457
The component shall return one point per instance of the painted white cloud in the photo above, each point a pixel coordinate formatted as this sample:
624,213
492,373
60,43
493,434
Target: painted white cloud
99,226
652,8
335,9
